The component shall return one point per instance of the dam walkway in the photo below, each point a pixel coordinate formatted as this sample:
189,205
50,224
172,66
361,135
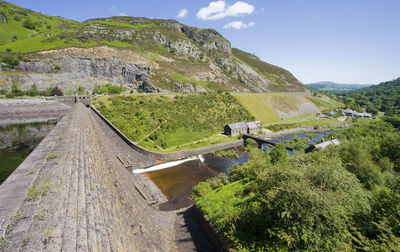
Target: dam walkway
76,192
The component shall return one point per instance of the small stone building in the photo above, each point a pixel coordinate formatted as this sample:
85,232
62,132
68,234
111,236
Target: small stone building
322,145
235,129
252,128
352,113
348,112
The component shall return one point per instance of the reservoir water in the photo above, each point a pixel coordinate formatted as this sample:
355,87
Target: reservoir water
17,141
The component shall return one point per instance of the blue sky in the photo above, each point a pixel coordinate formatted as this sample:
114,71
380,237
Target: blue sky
346,41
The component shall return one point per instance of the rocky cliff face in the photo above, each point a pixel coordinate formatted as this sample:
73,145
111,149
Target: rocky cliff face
70,72
138,53
3,18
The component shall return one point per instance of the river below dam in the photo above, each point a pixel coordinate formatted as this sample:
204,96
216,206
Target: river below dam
177,181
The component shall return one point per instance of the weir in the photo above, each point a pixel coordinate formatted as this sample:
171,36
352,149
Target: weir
76,192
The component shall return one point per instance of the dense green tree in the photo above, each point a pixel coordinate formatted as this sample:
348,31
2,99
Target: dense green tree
56,91
15,91
10,60
107,89
279,154
383,97
29,24
33,91
81,90
342,198
391,148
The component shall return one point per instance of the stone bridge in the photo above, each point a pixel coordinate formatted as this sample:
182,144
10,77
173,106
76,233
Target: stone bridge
261,141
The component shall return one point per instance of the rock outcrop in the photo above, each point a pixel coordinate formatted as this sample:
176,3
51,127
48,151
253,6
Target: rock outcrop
71,72
3,18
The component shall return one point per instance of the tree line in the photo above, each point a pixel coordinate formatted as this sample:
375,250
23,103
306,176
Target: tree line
342,198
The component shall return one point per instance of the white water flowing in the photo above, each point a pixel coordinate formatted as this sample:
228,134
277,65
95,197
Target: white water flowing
163,166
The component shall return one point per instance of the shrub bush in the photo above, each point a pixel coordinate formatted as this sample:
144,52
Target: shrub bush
29,24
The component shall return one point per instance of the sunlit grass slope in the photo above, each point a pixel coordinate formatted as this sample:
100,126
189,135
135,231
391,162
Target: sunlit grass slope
165,124
273,107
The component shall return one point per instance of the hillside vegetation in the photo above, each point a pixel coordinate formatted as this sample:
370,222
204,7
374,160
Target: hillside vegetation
279,77
343,198
170,123
383,97
273,107
165,56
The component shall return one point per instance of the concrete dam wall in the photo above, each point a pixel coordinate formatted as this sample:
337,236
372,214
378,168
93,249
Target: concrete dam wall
74,193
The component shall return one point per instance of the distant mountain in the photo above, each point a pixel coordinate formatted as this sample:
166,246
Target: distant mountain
331,86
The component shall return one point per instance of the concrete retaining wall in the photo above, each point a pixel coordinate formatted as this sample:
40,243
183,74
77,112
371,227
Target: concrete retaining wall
166,157
214,237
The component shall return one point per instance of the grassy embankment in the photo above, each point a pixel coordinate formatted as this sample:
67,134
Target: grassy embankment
167,124
265,107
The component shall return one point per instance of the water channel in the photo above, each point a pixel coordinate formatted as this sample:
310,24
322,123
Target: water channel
18,140
177,181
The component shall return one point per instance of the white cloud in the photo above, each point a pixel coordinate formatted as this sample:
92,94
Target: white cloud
260,11
238,25
219,9
113,9
122,14
182,13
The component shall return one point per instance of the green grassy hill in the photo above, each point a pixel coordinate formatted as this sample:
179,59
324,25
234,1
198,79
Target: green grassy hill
28,31
280,78
383,97
181,58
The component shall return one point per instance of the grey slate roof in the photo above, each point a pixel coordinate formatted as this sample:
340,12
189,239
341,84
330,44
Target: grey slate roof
252,125
325,144
238,125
